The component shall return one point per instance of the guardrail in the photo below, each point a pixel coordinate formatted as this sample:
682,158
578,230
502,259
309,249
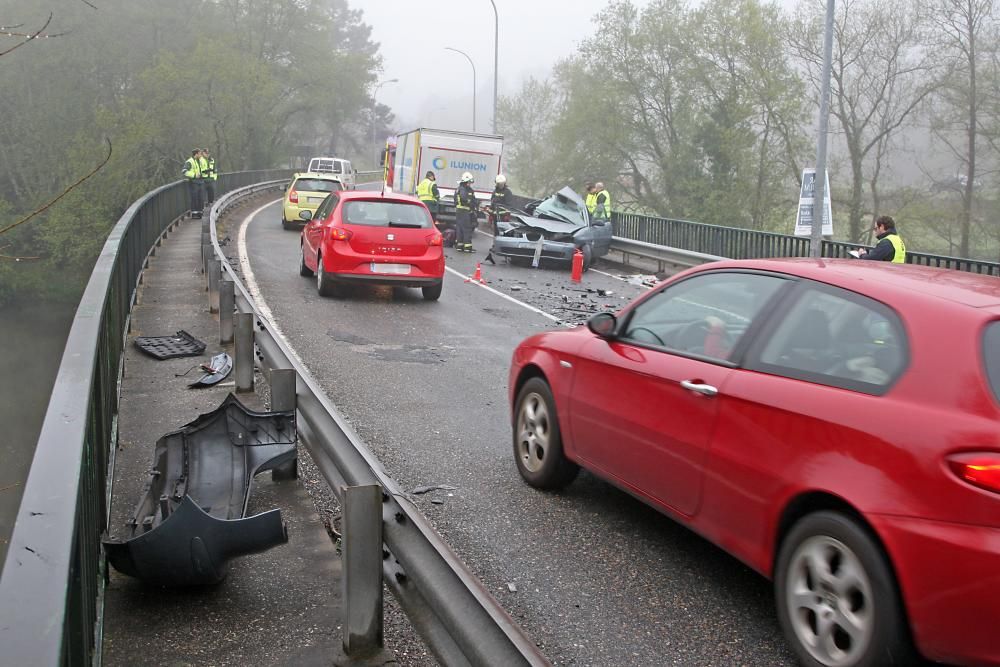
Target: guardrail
458,618
736,243
665,257
363,176
52,584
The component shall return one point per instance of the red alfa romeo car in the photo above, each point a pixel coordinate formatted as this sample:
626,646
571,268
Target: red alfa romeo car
833,424
369,237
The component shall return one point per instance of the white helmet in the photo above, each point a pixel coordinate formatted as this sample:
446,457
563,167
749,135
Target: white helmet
501,179
466,178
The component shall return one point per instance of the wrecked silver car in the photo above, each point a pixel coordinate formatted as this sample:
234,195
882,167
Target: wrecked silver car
551,230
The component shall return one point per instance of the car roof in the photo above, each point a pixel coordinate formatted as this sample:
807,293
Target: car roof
376,195
885,281
322,175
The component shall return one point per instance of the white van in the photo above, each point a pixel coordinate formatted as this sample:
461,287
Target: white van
334,165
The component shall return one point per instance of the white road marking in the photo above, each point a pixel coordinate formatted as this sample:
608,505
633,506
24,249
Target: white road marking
502,295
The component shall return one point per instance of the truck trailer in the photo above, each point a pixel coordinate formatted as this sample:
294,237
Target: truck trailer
410,155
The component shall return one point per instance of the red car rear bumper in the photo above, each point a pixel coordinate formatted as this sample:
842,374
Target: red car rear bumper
353,267
950,579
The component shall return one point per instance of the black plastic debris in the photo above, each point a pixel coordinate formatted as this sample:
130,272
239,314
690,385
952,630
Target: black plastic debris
192,516
181,344
215,370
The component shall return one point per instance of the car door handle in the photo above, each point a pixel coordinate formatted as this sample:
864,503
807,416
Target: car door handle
701,388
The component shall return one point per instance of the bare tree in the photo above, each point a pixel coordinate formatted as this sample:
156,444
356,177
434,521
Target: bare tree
881,76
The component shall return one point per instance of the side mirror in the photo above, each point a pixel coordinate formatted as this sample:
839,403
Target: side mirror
306,215
603,324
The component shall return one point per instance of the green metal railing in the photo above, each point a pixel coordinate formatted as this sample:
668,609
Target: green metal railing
736,243
52,583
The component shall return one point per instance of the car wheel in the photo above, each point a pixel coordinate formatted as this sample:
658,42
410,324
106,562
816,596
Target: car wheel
836,596
588,257
324,285
537,440
433,292
285,224
304,270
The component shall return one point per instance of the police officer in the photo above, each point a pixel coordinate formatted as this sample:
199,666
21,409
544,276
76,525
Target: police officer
209,174
192,172
466,207
602,203
890,247
427,192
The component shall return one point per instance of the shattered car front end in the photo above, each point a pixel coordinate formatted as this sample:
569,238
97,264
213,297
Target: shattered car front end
551,229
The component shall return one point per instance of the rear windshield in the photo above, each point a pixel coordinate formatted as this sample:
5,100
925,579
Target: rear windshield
318,185
386,214
333,166
991,356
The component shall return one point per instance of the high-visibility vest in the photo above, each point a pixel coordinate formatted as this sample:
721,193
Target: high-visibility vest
191,168
899,247
425,190
203,163
211,173
606,213
591,202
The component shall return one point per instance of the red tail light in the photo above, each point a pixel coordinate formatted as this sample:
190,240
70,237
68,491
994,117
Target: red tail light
980,469
340,234
293,197
435,239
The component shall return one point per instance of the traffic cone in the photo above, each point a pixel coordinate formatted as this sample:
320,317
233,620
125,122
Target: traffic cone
577,274
477,276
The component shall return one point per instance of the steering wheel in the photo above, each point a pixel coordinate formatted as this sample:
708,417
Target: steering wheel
707,336
652,334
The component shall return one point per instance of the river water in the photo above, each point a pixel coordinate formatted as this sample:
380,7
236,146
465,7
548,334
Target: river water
31,346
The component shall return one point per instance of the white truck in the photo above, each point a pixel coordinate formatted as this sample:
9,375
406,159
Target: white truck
410,155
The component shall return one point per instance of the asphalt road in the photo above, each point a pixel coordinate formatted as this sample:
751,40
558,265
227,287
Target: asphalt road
593,576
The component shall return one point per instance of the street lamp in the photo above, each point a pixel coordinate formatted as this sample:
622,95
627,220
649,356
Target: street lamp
448,48
496,51
374,93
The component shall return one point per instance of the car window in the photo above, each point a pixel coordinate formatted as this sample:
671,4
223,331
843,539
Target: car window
386,214
704,315
991,356
839,338
324,209
317,185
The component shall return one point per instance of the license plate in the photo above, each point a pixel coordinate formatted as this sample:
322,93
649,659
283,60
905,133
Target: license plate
314,200
390,268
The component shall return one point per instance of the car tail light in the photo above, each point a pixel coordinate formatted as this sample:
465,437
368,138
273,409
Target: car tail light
980,469
435,239
340,234
293,197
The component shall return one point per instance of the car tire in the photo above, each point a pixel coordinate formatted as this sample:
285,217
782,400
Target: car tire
832,572
287,226
588,257
304,270
324,284
432,292
537,439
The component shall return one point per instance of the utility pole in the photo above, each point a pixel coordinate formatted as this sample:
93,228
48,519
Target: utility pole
819,200
496,61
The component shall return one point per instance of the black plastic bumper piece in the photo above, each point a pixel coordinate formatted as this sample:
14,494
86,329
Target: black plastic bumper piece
192,516
181,344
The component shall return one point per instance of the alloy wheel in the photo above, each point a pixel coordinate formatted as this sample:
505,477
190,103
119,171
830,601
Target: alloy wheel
533,429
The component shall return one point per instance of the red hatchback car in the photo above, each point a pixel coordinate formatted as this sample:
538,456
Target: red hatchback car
833,424
369,237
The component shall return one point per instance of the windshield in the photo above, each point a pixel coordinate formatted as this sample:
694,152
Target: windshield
564,205
318,185
386,214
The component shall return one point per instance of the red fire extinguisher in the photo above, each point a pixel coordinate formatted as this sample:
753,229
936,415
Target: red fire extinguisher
577,274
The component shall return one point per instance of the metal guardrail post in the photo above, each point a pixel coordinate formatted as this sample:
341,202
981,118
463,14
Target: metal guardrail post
214,276
283,399
244,352
362,579
227,304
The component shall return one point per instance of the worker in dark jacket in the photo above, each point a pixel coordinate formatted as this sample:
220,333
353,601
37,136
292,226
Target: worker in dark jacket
466,207
503,196
890,247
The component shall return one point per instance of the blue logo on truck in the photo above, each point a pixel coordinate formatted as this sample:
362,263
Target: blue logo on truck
463,165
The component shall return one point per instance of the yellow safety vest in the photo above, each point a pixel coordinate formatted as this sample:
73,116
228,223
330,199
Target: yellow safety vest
900,248
214,175
425,190
192,169
591,202
606,205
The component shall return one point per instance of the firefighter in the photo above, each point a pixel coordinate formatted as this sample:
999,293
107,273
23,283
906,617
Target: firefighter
602,203
466,207
427,192
503,196
209,174
192,172
890,247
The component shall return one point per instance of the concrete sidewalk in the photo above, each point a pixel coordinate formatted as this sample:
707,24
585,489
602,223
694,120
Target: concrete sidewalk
280,607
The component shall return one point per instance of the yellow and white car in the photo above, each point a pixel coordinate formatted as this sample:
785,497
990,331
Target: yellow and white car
305,193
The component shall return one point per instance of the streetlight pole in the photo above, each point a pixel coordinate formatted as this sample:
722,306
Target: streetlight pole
819,200
496,52
374,93
448,48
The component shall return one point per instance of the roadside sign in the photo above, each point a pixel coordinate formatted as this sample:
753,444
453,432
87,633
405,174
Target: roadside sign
807,200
